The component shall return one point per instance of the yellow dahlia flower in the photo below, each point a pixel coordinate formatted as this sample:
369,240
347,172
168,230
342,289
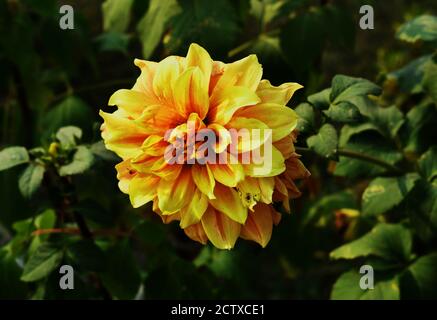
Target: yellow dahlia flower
213,200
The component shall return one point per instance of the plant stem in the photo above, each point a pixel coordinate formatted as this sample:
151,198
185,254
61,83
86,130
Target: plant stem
359,156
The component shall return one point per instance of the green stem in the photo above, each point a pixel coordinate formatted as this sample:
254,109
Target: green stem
359,156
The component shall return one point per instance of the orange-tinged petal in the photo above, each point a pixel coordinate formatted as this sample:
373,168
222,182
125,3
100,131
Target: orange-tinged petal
191,93
125,174
154,145
223,137
199,57
249,133
195,232
286,146
266,165
267,186
224,103
228,202
166,74
249,192
280,95
193,212
281,119
122,135
246,72
296,169
142,189
259,225
204,179
222,231
174,194
228,173
133,102
144,82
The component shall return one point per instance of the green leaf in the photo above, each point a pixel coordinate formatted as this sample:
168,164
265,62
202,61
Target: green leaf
152,26
41,263
383,194
364,143
13,156
409,78
430,79
71,111
99,150
321,99
325,142
31,179
113,41
391,242
347,287
87,255
343,112
10,285
122,277
212,25
422,28
116,15
306,121
82,160
68,136
265,11
345,88
424,274
418,132
302,40
387,120
428,164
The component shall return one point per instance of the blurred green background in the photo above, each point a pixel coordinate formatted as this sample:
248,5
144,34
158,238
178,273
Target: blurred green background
50,78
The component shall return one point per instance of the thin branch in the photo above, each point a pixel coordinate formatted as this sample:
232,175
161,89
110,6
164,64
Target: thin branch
359,156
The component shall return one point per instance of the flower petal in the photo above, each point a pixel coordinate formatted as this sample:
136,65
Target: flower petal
280,95
174,194
199,57
265,164
192,213
142,189
204,179
229,173
224,103
191,93
221,231
246,72
281,119
259,225
249,133
122,135
133,102
125,174
195,232
228,202
167,72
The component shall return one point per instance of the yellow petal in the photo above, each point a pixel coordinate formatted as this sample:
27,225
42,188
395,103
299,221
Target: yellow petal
224,103
249,133
246,72
144,82
174,194
221,231
267,164
133,102
142,189
259,225
204,179
266,185
228,202
122,135
167,72
249,192
223,137
199,57
280,95
191,93
125,173
196,233
154,145
228,173
281,119
192,213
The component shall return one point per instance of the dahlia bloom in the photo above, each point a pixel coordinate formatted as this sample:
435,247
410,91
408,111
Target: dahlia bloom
212,201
